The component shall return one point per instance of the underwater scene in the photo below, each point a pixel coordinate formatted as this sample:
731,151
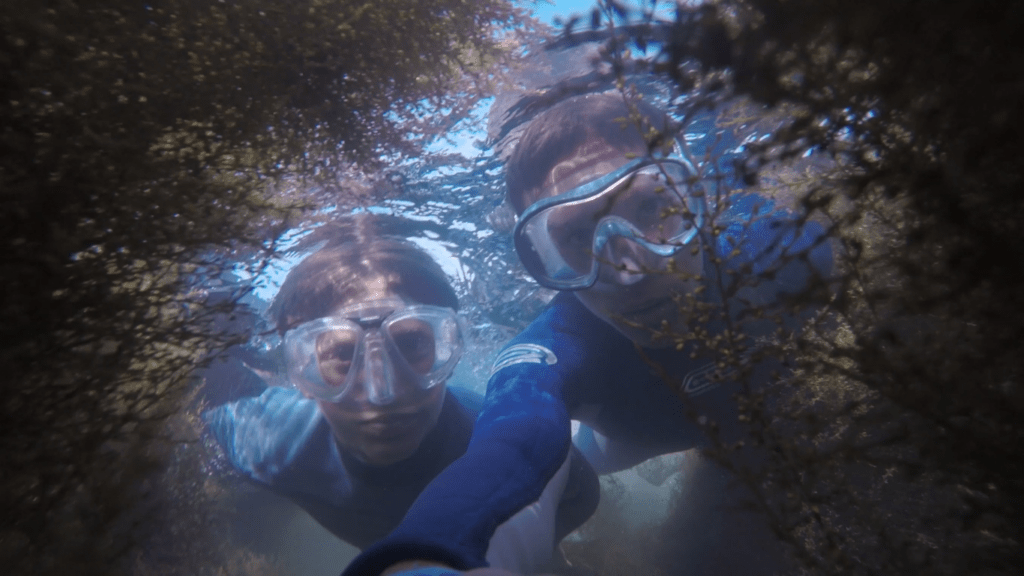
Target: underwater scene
511,288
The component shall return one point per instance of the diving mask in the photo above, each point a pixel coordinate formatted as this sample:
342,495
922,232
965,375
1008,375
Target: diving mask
325,357
563,240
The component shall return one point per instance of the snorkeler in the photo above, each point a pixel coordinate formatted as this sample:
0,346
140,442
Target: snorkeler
624,235
370,338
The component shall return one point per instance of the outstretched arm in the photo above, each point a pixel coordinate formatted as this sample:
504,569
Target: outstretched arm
518,445
520,442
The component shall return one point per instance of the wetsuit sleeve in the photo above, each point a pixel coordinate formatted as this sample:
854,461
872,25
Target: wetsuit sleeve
261,437
520,440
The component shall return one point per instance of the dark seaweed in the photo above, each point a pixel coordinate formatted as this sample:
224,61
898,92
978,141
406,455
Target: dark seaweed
895,446
148,153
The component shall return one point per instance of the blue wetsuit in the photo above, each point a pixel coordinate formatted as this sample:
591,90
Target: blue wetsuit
281,441
570,363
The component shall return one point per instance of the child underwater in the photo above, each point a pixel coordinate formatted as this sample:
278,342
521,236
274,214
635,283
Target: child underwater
370,337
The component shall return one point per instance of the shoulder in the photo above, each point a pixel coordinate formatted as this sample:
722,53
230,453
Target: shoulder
566,319
565,333
564,347
264,435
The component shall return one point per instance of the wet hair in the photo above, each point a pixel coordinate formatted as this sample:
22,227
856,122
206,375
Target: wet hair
335,274
559,131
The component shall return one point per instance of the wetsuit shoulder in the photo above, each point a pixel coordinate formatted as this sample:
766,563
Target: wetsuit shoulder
264,435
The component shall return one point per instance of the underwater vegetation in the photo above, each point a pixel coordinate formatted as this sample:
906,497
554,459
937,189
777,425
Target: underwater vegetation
896,445
148,150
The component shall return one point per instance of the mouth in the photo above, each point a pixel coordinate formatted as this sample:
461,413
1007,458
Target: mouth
391,425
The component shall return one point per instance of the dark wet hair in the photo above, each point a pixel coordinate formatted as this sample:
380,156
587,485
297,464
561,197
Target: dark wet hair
559,131
356,251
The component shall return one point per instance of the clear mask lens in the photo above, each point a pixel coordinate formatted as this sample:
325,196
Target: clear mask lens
564,244
419,344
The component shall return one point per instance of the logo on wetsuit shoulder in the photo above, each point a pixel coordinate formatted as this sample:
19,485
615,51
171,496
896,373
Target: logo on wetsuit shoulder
701,380
523,354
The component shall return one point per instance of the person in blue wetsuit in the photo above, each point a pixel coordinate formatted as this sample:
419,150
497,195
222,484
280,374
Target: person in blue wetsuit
648,271
370,337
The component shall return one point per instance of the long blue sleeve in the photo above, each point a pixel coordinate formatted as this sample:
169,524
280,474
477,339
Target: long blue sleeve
520,439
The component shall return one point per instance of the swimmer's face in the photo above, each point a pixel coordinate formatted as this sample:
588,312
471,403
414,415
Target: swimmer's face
381,434
633,306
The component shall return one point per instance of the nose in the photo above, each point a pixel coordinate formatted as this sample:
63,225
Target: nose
378,374
624,262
